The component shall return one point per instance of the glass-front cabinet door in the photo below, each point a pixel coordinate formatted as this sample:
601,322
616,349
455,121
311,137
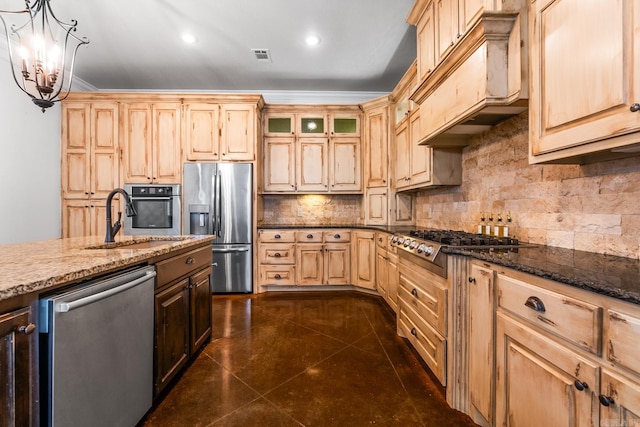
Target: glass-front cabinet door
312,125
279,124
344,124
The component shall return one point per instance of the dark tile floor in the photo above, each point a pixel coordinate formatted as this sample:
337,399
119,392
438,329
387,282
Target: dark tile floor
305,359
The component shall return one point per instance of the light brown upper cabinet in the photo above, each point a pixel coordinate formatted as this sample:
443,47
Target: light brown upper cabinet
214,132
376,140
151,142
585,81
312,150
90,155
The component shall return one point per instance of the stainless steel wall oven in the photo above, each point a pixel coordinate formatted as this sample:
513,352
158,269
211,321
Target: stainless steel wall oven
159,209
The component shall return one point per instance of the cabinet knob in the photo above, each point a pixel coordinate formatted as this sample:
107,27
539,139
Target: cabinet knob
224,154
277,255
414,292
536,304
606,400
278,277
452,43
414,332
28,329
580,385
309,236
189,261
215,154
87,193
634,107
277,236
336,236
472,280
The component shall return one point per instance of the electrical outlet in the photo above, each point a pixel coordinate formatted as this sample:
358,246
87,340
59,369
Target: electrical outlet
299,212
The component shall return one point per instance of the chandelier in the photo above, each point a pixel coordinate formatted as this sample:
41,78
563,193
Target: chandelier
42,51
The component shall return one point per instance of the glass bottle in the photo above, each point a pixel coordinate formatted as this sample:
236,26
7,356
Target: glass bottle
498,229
490,225
481,226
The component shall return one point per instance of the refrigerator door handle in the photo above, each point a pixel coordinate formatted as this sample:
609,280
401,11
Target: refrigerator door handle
214,216
219,203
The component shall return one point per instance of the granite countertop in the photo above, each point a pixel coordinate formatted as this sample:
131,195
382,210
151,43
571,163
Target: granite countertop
37,266
614,276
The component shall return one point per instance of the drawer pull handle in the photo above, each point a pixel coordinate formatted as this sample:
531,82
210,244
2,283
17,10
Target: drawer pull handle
536,304
277,255
277,236
27,330
309,236
414,292
472,280
414,332
278,277
580,385
189,260
634,107
337,236
606,400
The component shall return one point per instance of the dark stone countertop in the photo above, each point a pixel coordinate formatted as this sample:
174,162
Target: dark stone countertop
386,228
614,276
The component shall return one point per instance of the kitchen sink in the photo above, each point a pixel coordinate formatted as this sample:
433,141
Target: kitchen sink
137,244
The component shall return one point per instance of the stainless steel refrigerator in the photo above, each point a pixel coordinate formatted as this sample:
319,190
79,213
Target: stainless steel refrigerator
217,200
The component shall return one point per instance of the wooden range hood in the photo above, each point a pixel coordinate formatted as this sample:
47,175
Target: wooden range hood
482,81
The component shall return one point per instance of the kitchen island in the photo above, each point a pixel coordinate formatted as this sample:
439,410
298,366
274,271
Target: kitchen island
34,269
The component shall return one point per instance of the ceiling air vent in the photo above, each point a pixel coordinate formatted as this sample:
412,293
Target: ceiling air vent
262,55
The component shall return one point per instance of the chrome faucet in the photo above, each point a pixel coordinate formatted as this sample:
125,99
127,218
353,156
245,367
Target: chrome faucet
130,210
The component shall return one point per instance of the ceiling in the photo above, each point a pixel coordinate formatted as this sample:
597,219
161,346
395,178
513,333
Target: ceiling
366,45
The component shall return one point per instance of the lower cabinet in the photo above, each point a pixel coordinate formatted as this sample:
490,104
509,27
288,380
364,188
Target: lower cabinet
18,391
182,312
387,270
364,259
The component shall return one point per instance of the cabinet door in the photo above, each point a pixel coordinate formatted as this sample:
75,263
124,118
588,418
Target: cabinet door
481,341
426,41
238,132
201,131
279,124
619,400
313,167
200,295
393,278
539,382
337,263
376,206
376,141
446,27
172,333
76,218
364,259
310,264
420,154
574,49
382,271
344,165
137,143
403,164
344,125
167,160
312,125
280,164
76,150
105,155
17,345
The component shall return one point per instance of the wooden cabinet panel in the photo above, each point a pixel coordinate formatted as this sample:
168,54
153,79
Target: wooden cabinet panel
344,164
280,164
337,263
426,42
376,141
382,271
310,264
376,206
137,143
536,380
403,153
573,50
17,353
622,335
446,27
624,395
313,168
277,236
277,253
364,259
201,135
172,332
85,217
238,132
420,154
393,280
284,275
167,159
201,306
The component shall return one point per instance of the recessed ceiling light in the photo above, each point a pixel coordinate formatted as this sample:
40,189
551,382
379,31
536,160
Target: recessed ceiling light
312,40
188,38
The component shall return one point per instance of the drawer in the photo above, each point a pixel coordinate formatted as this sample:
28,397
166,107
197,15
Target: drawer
622,335
382,240
426,293
337,236
277,275
571,319
283,253
309,236
181,265
277,236
431,346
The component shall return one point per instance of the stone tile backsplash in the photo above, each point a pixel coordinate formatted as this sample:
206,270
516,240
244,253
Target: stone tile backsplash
312,209
594,207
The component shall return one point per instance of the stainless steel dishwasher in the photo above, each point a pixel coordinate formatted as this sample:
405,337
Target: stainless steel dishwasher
96,351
